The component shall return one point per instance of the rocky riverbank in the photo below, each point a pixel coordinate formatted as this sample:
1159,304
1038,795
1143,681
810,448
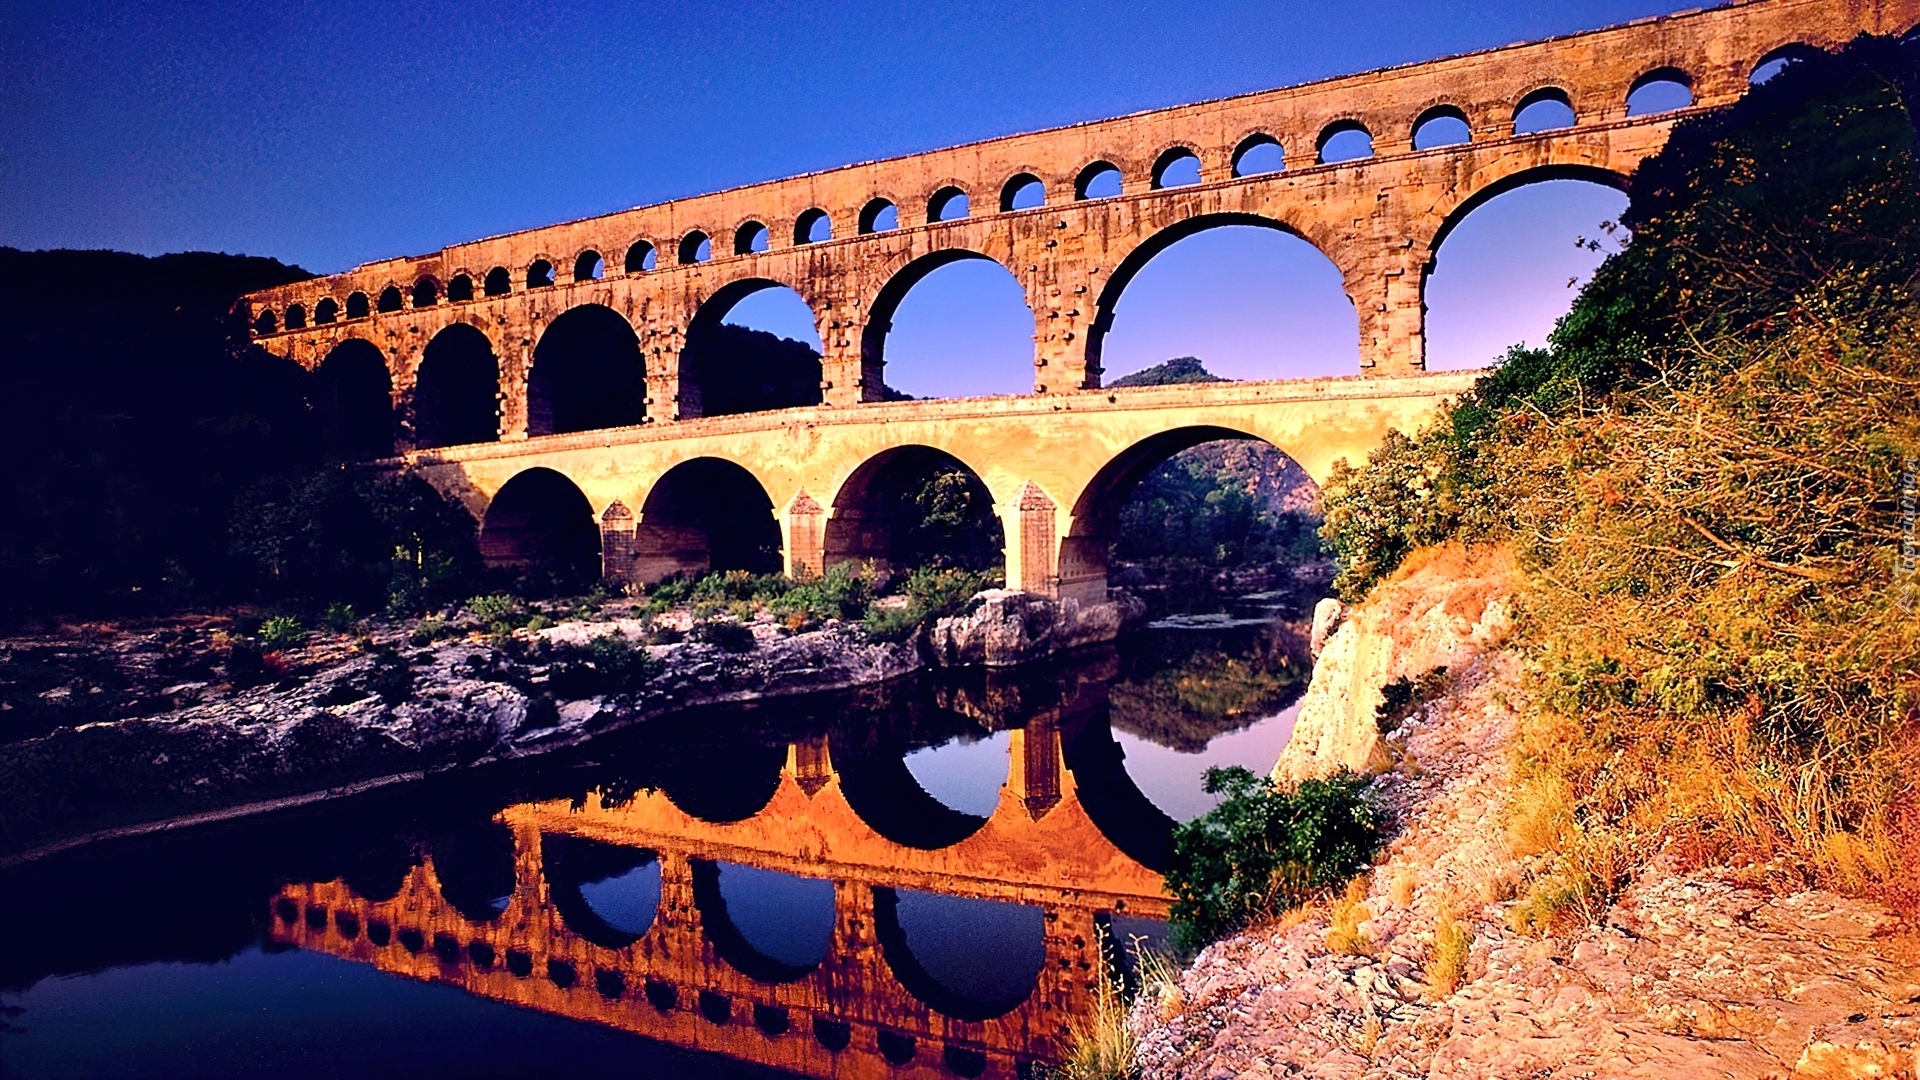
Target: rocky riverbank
1691,972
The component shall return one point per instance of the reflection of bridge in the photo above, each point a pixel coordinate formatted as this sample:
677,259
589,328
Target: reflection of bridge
531,340
862,1011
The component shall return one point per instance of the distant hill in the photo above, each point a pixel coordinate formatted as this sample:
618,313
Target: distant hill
1180,369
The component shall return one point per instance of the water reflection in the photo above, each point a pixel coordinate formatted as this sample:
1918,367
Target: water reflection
904,879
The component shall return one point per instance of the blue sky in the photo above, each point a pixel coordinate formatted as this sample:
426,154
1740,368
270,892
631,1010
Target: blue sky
328,134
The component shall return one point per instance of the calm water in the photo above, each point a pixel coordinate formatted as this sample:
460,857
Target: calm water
906,881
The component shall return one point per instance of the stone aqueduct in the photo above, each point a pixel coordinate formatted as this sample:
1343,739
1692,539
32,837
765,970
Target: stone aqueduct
640,285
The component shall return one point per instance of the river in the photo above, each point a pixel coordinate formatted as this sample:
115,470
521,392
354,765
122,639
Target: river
911,880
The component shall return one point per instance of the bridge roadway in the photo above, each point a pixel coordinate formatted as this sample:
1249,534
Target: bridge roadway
867,1009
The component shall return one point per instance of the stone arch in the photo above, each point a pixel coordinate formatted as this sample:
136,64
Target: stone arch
706,515
871,215
264,323
1666,75
540,274
1143,253
880,312
1024,948
357,305
732,943
874,518
695,247
723,374
456,394
1251,144
1172,156
460,288
571,864
944,200
391,300
810,221
1544,97
589,266
1016,186
1091,172
540,526
1789,53
353,400
1500,186
640,257
325,311
499,282
1437,114
751,237
1344,126
587,373
296,317
883,793
426,292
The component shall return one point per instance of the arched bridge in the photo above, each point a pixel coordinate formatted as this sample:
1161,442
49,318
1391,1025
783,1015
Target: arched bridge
578,347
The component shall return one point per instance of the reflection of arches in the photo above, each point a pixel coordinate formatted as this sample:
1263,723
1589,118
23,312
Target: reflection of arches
707,514
587,374
876,516
883,792
1114,803
475,868
994,984
726,369
541,525
886,303
353,401
380,871
456,394
571,864
729,927
724,782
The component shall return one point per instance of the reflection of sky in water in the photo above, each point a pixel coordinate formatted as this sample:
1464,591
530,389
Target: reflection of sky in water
626,901
966,776
984,950
783,916
1171,779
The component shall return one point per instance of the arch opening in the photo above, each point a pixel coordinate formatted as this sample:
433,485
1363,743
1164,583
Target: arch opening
1658,91
390,299
540,275
1024,191
357,306
587,374
264,323
723,781
885,793
540,529
641,257
499,282
1344,140
751,239
475,868
589,266
1442,125
1178,167
947,204
770,926
1100,180
325,311
606,893
426,292
1546,109
880,215
931,943
695,247
353,401
460,289
1258,153
812,227
1243,295
1509,262
456,396
914,506
751,347
1779,60
951,324
707,515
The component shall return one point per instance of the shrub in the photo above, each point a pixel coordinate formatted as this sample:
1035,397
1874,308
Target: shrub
932,593
429,630
609,664
1101,1045
843,592
282,631
1266,848
728,635
499,607
1344,935
340,616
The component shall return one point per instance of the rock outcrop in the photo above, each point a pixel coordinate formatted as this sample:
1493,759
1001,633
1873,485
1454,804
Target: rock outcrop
1007,627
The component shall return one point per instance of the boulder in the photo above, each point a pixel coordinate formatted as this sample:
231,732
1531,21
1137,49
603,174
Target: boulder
1005,627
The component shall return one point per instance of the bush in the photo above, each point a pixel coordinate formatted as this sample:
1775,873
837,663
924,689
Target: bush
340,616
1266,848
843,592
610,664
728,635
281,632
932,593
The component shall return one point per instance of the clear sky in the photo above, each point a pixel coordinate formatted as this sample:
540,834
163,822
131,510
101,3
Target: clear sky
328,134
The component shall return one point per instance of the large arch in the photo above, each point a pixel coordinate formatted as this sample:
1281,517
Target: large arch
775,927
952,976
587,374
706,515
727,369
1106,305
877,516
885,795
886,304
456,395
353,401
573,866
540,526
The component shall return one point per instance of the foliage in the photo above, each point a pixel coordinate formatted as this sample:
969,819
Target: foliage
843,592
1447,968
282,631
1202,504
948,521
1266,848
1101,1045
1180,369
1403,697
727,635
609,664
1344,934
932,593
1185,701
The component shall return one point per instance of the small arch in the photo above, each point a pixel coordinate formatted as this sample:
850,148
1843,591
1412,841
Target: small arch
641,257
540,274
877,514
1779,60
812,227
587,374
589,266
325,311
1442,125
751,238
1258,153
1546,109
357,305
880,215
499,282
1661,90
695,247
391,300
947,204
1178,166
264,323
706,515
541,527
353,401
1343,140
1100,180
296,317
460,289
426,292
474,865
1024,191
456,395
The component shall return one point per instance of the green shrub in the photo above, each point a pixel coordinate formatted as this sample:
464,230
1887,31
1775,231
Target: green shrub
499,608
728,635
932,593
429,630
340,616
282,632
610,664
674,590
1266,848
843,592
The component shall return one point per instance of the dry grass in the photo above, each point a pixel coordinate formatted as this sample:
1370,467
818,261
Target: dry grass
1345,936
1159,979
1405,881
1452,942
1101,1044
